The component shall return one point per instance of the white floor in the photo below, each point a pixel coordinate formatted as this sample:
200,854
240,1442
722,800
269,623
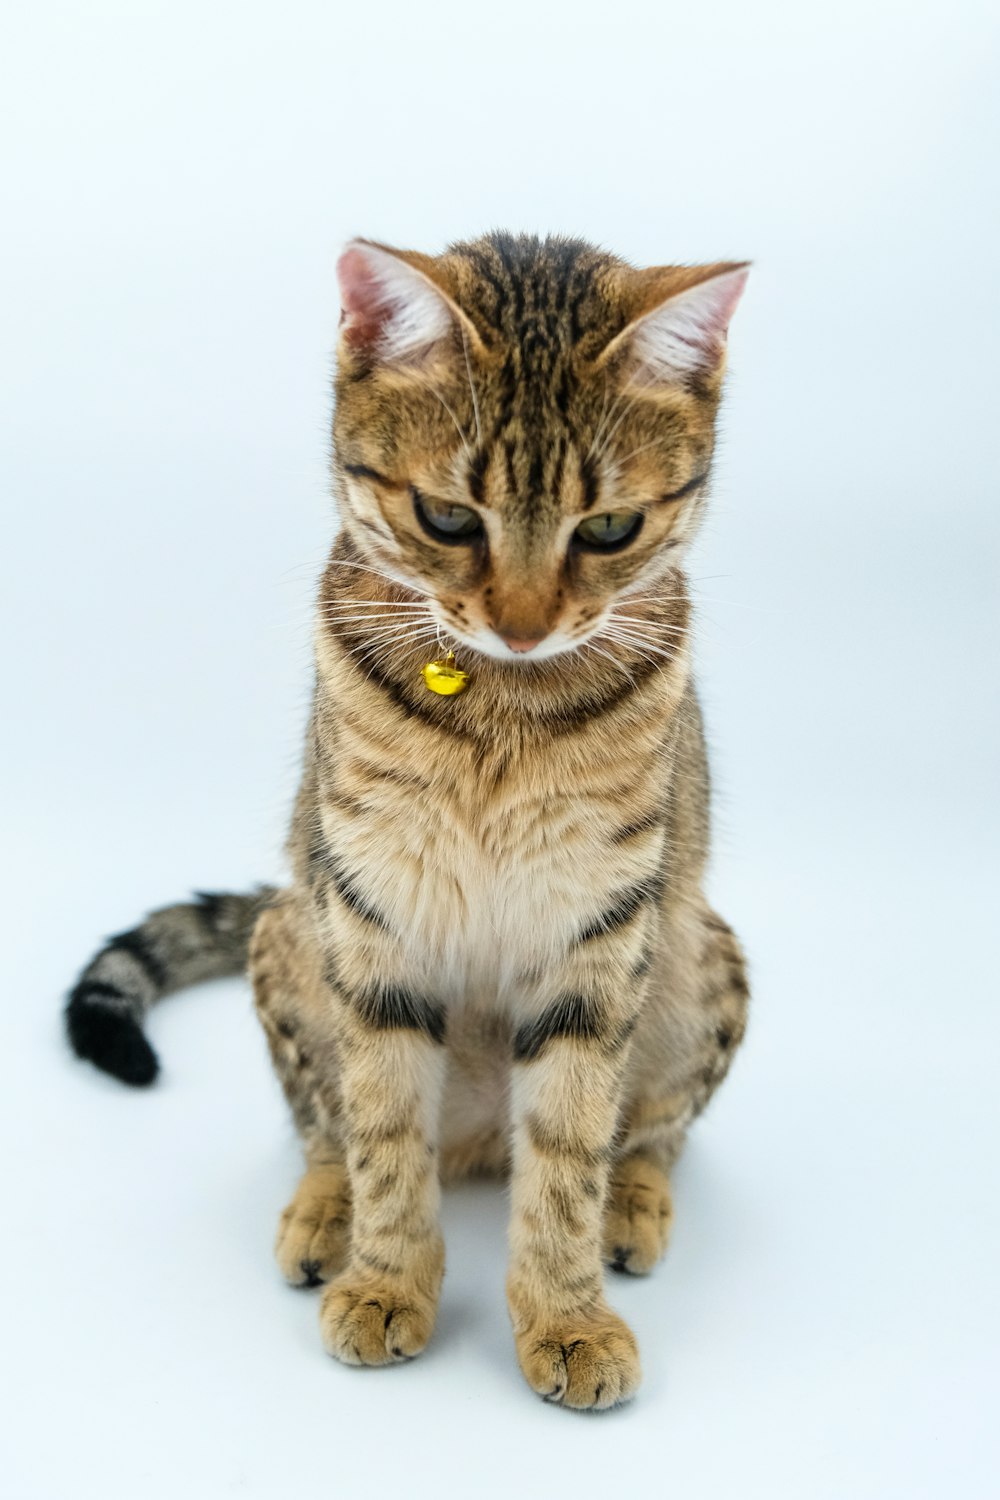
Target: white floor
826,1325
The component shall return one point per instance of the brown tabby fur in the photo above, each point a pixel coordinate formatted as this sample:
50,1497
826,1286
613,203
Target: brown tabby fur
494,954
454,849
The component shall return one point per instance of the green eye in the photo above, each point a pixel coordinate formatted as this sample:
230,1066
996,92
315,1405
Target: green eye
446,522
611,530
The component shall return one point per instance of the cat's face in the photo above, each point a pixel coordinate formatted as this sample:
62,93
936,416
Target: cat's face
524,432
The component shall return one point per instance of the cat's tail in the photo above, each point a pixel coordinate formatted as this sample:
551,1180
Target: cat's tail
174,947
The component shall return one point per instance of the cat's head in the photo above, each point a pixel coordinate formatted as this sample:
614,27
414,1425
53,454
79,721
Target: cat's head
524,429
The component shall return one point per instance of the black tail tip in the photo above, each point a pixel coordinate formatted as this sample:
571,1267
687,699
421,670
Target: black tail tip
113,1041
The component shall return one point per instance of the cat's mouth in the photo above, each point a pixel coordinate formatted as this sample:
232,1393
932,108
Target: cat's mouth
517,650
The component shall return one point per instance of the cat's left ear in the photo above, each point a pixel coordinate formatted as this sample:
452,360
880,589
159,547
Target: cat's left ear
396,305
678,320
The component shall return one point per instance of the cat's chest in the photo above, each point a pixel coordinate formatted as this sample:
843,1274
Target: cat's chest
483,881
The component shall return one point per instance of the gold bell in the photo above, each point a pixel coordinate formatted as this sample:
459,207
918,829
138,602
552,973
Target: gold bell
442,676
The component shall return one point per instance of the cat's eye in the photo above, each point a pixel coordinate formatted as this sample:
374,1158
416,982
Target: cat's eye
610,530
446,522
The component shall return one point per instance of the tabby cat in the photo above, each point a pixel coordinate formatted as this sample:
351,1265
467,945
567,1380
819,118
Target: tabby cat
494,954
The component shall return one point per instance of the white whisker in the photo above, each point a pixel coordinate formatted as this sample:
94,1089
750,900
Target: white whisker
395,633
646,628
355,623
635,625
383,603
337,562
637,644
589,645
383,614
372,648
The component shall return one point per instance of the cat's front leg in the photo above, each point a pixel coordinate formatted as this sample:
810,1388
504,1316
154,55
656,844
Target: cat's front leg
382,1307
569,1062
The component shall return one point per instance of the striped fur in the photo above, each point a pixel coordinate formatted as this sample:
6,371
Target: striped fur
494,953
176,946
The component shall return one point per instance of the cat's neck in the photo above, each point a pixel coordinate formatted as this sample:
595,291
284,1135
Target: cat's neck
372,630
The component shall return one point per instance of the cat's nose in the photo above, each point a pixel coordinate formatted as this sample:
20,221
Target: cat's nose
521,642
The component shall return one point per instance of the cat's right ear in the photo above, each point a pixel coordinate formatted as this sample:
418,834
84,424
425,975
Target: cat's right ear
395,308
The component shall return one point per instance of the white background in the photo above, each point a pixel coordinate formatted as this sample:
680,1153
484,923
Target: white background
178,179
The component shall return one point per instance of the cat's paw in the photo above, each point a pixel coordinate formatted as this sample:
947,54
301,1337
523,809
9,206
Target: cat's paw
638,1216
589,1361
366,1319
315,1228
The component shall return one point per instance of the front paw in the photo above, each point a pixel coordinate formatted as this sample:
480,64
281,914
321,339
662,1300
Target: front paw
370,1319
589,1361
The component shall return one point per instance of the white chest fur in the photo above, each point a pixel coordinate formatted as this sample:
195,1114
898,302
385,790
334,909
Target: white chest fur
487,883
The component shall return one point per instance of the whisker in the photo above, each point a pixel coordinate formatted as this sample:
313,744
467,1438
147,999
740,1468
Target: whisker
634,625
633,650
637,644
349,599
589,645
387,638
337,562
652,598
355,623
372,648
384,614
396,632
644,631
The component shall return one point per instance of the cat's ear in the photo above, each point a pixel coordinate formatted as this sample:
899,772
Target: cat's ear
395,304
678,320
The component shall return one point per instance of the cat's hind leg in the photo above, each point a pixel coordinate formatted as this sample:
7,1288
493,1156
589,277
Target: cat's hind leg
314,1230
685,1048
638,1215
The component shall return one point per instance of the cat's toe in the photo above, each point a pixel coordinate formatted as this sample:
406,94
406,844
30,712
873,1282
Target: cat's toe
368,1322
584,1363
638,1217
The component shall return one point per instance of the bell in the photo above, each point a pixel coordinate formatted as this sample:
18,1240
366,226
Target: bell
442,676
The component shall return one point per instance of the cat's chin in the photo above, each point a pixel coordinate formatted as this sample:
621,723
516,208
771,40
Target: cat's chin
489,645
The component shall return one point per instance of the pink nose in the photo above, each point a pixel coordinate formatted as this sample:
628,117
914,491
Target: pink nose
520,643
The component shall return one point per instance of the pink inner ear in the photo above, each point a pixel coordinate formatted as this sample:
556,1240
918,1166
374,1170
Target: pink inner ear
688,331
365,308
722,296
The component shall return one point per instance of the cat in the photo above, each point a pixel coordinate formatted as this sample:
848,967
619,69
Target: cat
494,955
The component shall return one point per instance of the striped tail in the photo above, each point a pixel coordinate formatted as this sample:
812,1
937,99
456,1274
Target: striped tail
174,947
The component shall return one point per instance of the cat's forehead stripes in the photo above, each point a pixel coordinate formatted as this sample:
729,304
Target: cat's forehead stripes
534,302
543,297
546,477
